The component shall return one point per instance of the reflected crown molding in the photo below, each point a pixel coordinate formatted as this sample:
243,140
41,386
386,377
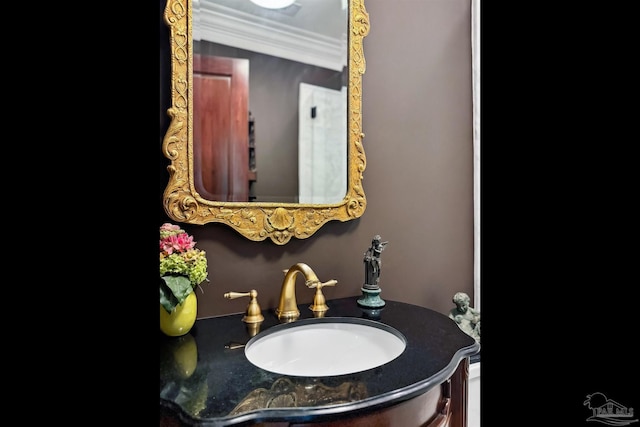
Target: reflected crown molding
231,27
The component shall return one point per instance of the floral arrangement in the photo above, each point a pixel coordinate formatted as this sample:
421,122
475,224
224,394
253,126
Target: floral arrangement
182,266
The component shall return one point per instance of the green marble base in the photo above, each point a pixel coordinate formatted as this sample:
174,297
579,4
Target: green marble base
371,298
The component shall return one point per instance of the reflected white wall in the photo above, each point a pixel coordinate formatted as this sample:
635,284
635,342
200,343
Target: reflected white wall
322,144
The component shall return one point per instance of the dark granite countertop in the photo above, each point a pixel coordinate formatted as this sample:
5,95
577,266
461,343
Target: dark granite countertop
224,388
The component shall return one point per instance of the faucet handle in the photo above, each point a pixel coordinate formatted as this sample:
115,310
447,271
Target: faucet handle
253,313
319,305
317,284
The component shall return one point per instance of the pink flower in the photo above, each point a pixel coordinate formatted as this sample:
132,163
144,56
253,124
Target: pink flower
178,242
169,227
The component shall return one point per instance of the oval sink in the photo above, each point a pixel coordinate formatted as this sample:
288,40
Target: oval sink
325,346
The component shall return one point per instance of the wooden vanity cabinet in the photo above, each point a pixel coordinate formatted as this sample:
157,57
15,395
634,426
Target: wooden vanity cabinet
443,406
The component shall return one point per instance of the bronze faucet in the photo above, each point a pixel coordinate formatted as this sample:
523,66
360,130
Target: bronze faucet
287,310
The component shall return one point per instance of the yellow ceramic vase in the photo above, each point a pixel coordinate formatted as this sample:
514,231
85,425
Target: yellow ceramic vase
181,320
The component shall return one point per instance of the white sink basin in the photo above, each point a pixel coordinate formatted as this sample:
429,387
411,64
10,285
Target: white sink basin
325,346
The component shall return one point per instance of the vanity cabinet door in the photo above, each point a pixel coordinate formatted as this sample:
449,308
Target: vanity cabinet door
459,394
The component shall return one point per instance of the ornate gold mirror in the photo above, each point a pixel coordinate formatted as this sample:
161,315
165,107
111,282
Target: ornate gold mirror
192,195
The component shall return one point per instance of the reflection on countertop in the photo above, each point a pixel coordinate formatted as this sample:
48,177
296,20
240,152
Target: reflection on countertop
291,392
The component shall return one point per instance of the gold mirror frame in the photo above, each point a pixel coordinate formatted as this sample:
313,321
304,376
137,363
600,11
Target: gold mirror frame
254,220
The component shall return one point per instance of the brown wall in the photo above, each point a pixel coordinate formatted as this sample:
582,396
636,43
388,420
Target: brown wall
417,120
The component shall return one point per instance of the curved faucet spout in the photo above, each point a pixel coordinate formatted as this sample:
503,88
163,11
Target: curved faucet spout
287,310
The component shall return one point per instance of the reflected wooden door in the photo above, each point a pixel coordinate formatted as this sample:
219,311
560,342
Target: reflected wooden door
220,128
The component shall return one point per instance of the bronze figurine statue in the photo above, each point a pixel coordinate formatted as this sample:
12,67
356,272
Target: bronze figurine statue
373,263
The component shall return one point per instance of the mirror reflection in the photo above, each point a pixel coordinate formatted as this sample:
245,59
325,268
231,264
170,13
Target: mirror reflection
265,133
283,72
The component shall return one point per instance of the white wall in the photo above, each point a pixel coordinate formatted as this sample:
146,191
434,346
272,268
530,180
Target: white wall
473,405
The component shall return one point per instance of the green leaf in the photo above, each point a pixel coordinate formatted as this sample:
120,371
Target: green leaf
168,301
173,291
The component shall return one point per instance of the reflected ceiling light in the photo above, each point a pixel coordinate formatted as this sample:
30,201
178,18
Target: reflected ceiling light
273,4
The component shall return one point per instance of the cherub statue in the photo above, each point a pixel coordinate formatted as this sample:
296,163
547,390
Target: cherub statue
467,318
373,263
